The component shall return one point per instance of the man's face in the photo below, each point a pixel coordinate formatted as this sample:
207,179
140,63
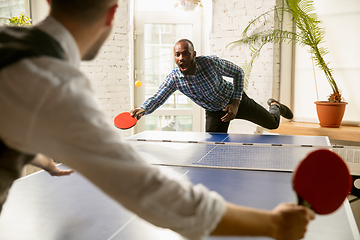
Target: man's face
184,56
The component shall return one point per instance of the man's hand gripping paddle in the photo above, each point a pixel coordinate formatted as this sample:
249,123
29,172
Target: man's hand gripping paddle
322,181
124,120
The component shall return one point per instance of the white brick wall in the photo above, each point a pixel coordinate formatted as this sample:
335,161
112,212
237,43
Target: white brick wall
229,19
110,72
11,8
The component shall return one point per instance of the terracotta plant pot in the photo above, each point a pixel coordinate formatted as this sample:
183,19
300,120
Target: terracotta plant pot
330,114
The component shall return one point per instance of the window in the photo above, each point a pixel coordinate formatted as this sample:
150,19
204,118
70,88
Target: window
342,38
157,27
11,8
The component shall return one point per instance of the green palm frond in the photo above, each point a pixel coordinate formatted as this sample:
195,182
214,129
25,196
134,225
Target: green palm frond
247,67
262,19
309,33
269,36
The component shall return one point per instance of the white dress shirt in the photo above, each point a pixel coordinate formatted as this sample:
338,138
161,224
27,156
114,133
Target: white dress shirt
47,105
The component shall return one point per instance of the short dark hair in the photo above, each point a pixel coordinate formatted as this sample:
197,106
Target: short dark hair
81,10
188,41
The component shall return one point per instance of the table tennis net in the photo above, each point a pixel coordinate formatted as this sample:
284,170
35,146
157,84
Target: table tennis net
233,156
351,156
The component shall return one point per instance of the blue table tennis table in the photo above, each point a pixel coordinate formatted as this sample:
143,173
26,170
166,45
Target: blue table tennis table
250,170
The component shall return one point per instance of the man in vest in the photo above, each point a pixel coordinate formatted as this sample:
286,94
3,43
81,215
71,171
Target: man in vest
47,106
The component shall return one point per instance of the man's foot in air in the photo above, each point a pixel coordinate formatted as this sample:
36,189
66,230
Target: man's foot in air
284,110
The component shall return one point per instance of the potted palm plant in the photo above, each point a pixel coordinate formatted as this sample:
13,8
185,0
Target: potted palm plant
309,33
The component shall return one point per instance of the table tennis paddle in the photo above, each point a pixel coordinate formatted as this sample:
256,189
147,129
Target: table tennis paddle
322,181
124,120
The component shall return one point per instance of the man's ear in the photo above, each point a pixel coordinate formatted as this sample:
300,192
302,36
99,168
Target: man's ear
194,54
110,15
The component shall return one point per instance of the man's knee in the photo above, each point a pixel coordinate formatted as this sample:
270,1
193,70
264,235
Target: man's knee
273,126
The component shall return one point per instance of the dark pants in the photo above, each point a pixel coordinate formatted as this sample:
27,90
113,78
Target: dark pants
11,165
248,110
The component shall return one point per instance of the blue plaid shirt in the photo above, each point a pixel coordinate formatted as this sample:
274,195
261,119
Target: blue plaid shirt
206,87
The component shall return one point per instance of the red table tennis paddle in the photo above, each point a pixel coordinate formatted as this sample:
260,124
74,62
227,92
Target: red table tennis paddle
322,181
124,120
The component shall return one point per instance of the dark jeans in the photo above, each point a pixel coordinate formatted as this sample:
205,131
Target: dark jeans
11,165
248,110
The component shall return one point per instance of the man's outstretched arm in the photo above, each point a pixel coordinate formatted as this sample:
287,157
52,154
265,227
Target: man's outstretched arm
285,222
49,165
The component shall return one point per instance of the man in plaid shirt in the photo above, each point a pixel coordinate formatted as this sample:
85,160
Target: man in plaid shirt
201,79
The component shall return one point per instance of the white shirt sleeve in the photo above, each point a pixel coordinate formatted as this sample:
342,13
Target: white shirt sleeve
49,107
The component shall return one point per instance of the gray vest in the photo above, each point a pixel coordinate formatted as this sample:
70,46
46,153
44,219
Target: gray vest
17,43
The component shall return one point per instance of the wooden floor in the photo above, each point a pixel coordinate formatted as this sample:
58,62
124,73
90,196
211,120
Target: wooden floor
29,169
355,207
